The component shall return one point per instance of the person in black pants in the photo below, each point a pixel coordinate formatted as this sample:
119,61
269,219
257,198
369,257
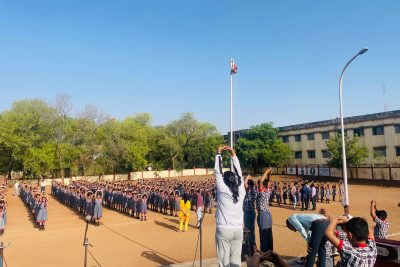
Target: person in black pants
317,225
305,196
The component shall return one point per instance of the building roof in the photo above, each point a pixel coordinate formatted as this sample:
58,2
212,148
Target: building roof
368,117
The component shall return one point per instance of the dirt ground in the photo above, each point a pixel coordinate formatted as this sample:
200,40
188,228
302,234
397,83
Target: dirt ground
122,241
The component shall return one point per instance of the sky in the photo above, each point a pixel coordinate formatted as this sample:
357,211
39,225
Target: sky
171,57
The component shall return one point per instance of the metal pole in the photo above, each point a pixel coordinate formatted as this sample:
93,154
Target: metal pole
86,249
1,253
201,243
346,191
231,111
86,240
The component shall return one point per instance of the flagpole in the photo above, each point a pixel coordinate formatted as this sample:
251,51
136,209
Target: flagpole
231,133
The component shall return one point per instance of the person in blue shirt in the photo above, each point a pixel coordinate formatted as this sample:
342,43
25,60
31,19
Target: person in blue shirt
312,228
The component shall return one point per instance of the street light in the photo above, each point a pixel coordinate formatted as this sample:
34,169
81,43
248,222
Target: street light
346,191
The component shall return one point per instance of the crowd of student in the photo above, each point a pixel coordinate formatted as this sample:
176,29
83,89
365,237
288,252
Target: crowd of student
3,205
36,200
134,198
304,194
240,201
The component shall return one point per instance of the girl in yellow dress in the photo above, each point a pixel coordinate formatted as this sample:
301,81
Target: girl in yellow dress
184,213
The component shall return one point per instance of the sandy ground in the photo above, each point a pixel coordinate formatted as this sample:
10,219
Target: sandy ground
123,241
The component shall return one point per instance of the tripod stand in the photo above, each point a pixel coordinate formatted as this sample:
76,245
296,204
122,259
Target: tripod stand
86,240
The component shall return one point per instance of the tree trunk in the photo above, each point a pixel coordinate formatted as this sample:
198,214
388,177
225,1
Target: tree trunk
173,160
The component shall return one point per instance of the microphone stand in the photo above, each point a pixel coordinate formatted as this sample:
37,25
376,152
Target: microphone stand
2,247
201,237
86,240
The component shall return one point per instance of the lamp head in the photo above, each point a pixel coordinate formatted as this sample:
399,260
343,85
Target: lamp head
88,218
362,51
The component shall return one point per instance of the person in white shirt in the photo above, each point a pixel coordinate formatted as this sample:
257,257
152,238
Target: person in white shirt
42,185
16,188
229,213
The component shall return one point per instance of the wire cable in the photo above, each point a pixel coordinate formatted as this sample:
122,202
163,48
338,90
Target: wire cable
94,258
5,262
197,246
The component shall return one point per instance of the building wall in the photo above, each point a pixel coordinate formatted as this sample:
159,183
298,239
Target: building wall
389,139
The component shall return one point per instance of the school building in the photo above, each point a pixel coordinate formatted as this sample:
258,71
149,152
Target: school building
379,132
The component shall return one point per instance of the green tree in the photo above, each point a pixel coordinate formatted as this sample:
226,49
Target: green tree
260,146
197,140
356,153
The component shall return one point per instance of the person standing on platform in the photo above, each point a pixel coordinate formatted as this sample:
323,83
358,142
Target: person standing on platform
229,213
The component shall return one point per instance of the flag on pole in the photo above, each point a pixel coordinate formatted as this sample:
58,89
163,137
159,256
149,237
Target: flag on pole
233,67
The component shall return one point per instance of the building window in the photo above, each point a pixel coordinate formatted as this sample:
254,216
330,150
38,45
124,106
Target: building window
378,130
381,151
311,154
339,132
285,138
325,153
359,132
310,136
297,154
398,151
325,135
297,137
397,128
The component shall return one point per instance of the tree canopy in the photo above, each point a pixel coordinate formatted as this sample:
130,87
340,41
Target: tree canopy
43,140
356,153
260,147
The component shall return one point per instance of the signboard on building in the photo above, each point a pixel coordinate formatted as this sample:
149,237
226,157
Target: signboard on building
313,171
323,171
301,171
291,170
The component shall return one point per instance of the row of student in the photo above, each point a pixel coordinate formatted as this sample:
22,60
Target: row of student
302,193
135,197
37,202
3,205
77,196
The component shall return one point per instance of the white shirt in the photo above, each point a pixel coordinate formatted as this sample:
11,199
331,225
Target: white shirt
228,214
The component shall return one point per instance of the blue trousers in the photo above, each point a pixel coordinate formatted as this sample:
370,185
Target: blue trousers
249,223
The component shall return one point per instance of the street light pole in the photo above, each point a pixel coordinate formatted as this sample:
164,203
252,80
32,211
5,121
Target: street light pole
346,191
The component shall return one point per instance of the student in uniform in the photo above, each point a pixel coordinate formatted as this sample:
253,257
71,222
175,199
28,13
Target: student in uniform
379,217
98,209
359,250
327,193
42,215
143,212
2,219
176,203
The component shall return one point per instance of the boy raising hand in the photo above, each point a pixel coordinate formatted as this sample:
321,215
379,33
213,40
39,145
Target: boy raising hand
360,249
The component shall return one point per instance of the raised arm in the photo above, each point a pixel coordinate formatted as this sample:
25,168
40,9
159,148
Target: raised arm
218,161
246,181
266,175
236,165
373,209
330,231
